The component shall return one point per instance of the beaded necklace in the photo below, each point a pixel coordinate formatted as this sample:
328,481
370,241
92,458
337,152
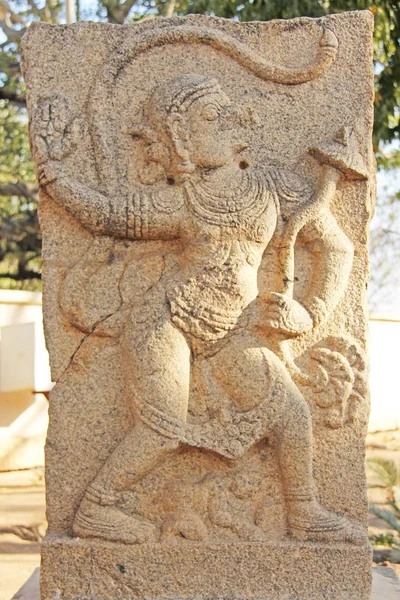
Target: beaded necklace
227,207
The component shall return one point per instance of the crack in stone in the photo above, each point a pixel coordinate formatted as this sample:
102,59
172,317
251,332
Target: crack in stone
83,340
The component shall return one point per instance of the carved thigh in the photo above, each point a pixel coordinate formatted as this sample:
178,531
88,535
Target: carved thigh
246,371
157,366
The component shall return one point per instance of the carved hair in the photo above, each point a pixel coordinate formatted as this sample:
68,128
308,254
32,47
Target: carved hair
193,87
167,153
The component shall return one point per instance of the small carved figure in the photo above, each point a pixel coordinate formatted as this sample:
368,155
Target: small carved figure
230,506
227,214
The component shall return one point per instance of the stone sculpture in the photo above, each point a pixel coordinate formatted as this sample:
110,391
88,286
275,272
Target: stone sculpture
202,297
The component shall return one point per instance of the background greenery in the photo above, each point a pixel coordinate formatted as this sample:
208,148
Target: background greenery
20,245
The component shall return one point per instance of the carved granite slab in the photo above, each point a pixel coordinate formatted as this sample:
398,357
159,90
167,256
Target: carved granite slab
206,188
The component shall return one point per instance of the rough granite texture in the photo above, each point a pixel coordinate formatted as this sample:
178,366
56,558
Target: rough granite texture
385,586
205,193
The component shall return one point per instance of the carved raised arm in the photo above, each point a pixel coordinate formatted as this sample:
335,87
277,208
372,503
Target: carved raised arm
314,224
95,211
141,215
146,214
332,250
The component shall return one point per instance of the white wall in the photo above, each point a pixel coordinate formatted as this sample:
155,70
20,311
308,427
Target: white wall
20,307
385,372
24,360
24,370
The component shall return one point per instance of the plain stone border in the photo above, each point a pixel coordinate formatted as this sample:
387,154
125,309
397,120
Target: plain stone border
385,585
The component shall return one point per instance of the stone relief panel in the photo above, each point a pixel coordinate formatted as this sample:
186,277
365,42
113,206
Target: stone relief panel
209,338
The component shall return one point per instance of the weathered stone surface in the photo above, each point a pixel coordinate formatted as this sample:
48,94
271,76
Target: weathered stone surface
385,585
207,570
206,188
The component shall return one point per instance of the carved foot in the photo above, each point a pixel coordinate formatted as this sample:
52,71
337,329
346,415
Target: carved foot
110,523
250,532
308,521
188,526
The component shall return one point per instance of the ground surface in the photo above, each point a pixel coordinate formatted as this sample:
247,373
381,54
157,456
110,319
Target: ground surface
22,503
387,445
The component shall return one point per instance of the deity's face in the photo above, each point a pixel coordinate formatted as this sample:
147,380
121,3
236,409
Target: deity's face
211,123
196,127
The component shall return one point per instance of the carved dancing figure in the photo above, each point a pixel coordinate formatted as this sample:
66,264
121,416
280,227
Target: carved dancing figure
228,215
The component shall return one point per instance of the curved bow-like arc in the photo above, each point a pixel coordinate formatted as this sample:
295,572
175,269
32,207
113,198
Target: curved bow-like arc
253,62
189,34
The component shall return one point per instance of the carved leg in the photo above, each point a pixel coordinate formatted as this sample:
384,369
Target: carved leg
293,438
141,451
307,519
158,374
247,373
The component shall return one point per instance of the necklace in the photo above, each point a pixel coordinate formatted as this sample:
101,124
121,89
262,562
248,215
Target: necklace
227,207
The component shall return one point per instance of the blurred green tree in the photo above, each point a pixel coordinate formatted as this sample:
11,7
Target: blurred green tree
20,239
20,246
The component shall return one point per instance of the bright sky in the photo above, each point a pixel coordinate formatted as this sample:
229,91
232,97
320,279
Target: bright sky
387,299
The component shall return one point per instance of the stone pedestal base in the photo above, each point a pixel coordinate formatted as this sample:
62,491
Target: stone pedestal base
80,569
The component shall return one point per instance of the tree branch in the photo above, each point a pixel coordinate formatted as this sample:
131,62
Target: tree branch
14,17
126,7
34,8
6,94
20,276
27,190
117,13
169,10
13,35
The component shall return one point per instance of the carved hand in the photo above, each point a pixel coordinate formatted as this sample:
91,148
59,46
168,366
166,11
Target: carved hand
284,314
317,309
49,172
55,130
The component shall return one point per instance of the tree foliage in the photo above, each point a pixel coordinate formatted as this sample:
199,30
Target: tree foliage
20,244
386,474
